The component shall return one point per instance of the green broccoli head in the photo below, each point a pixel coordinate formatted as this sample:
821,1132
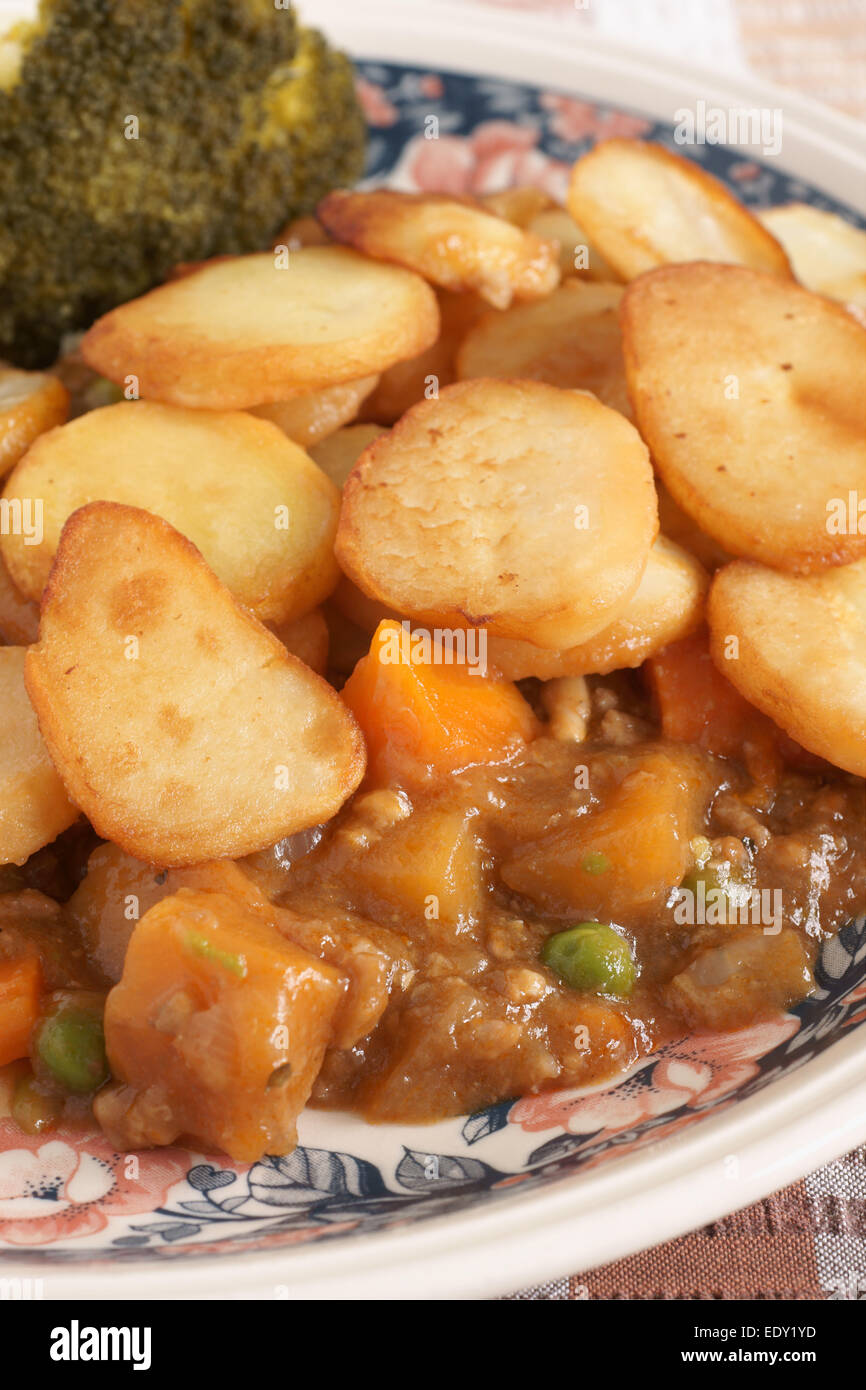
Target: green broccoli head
135,134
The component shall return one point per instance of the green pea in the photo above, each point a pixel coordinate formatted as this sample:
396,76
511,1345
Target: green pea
70,1045
592,956
717,876
708,874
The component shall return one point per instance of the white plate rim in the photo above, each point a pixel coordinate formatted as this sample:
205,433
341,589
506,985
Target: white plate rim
822,146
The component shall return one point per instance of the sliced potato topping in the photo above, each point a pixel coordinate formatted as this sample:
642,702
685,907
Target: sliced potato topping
34,806
453,243
667,605
570,339
313,416
678,526
796,647
307,639
338,454
406,383
513,506
577,255
19,617
30,404
518,205
749,392
644,207
255,329
185,730
536,212
828,254
262,514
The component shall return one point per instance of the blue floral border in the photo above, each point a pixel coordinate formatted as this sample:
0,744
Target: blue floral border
467,101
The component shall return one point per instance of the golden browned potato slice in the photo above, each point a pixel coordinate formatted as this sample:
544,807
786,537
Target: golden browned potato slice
644,207
302,231
510,505
406,383
30,403
182,727
258,508
256,329
402,385
570,339
451,242
338,454
669,604
678,526
538,213
307,639
577,255
518,205
19,617
34,806
310,417
361,610
796,647
749,392
828,254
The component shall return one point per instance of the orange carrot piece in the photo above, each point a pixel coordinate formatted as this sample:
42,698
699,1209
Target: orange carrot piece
621,859
422,718
20,986
697,704
217,1028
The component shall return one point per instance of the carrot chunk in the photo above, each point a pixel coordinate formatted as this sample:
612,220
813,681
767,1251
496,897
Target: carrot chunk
429,867
622,859
422,717
218,1028
698,705
117,890
20,984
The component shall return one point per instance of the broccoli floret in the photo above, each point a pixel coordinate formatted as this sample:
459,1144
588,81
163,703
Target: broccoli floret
136,134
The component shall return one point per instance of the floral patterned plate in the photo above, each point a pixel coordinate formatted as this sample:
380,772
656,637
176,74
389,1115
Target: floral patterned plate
535,1186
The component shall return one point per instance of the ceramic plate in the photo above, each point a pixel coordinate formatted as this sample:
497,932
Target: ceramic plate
546,1184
